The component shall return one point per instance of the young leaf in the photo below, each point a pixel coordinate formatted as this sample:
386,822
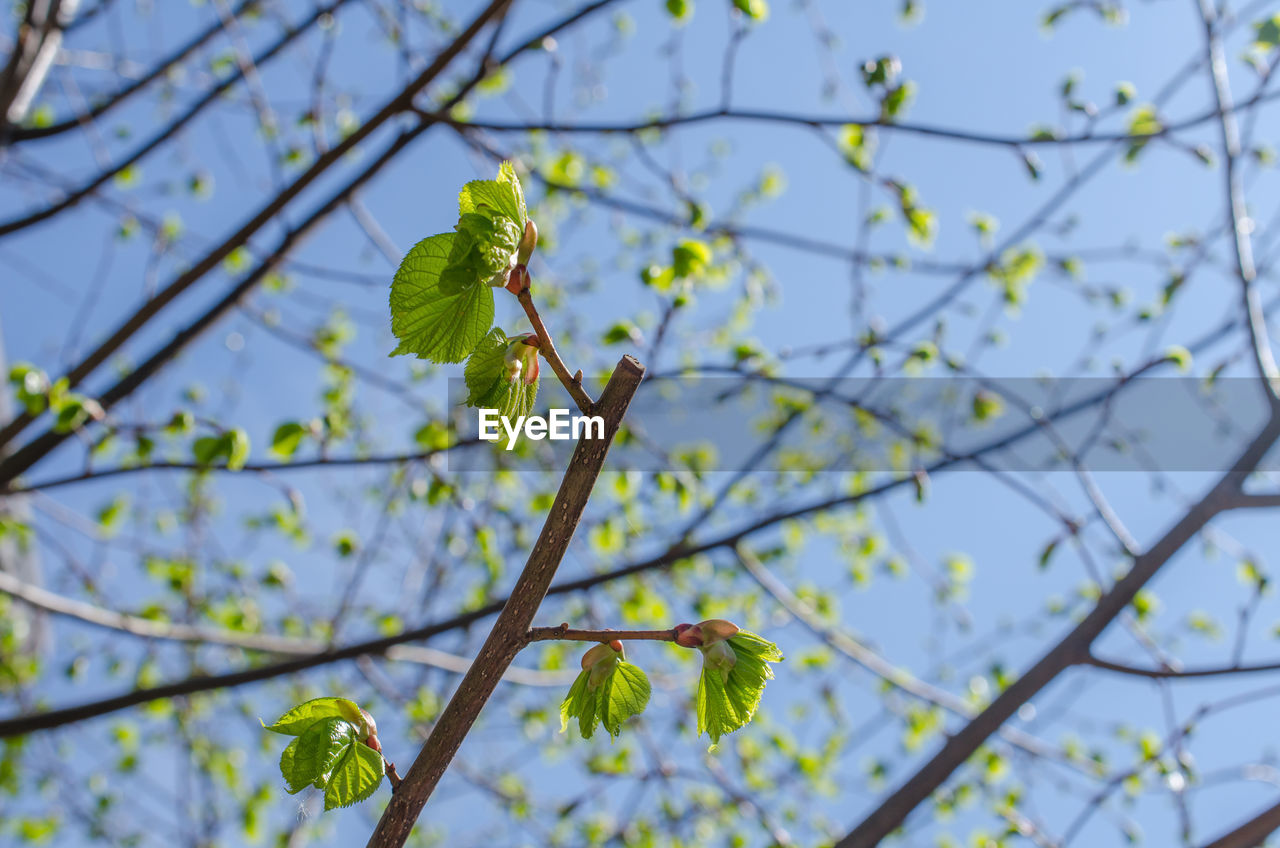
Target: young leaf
428,322
483,252
502,196
287,438
492,385
299,719
308,760
580,704
727,701
355,775
624,693
237,448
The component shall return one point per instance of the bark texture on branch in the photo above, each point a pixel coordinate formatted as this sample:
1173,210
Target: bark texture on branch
510,631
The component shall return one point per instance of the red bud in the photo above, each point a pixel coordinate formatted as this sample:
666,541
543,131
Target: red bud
518,280
688,635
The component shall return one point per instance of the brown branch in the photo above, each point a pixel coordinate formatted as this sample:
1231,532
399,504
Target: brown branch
1253,832
512,626
1177,673
392,775
565,633
812,121
571,383
1070,650
1262,500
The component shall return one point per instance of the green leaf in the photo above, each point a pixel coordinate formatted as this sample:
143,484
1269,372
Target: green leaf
206,449
1143,122
237,448
286,439
1179,356
502,196
355,775
680,10
491,385
483,252
624,693
1266,34
580,704
726,702
757,10
429,323
297,720
308,760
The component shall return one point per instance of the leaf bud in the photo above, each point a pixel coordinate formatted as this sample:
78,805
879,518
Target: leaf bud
717,630
720,656
518,280
600,662
370,729
688,635
528,242
521,358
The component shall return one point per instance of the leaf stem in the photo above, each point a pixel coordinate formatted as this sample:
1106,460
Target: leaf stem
572,383
564,633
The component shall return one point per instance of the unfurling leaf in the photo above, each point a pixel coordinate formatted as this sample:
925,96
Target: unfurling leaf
727,697
608,691
355,775
1143,122
483,252
502,374
331,751
297,720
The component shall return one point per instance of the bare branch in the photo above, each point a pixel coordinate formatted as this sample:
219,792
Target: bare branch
1253,832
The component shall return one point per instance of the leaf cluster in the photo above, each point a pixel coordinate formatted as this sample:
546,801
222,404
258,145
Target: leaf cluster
442,303
329,751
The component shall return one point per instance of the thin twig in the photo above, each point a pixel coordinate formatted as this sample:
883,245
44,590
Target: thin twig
564,633
572,383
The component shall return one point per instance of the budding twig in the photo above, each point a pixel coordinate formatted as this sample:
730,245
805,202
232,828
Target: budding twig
548,348
392,775
564,633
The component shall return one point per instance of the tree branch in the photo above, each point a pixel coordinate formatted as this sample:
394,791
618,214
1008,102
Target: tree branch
565,633
510,631
1238,221
266,642
1177,673
1252,832
1070,650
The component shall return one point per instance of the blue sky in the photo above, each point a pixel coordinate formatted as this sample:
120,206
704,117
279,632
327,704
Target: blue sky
984,66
